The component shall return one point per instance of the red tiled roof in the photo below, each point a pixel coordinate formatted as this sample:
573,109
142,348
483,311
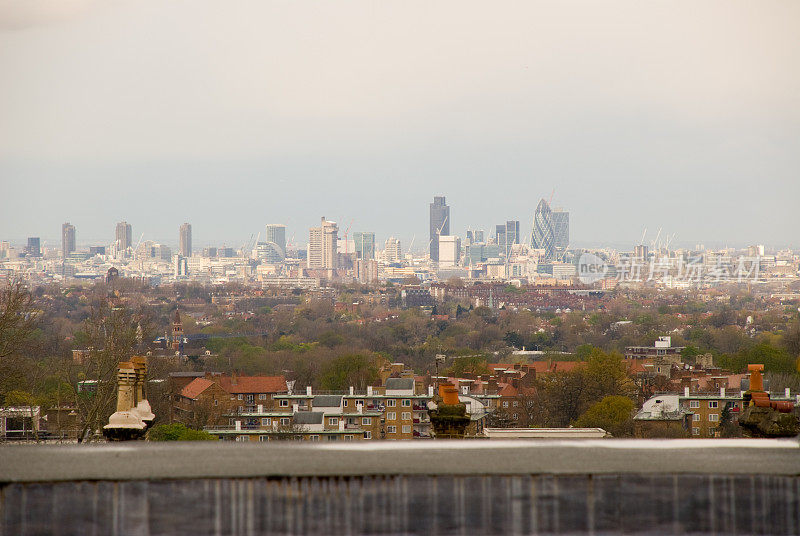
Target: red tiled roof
195,387
508,390
253,384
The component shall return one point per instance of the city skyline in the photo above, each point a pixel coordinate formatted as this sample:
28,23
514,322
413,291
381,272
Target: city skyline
631,127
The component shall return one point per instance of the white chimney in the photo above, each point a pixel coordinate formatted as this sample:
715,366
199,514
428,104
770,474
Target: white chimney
308,390
430,391
238,425
369,390
351,390
260,408
686,392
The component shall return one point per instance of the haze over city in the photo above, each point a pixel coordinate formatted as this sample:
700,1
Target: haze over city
680,116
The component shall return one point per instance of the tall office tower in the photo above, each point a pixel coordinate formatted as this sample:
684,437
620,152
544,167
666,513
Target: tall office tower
322,250
276,242
440,224
185,240
500,238
477,236
512,232
34,248
449,251
542,234
393,251
67,239
561,228
124,238
640,252
365,245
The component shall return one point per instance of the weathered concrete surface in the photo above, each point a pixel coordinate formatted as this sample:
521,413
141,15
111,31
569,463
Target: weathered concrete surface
460,487
140,461
410,504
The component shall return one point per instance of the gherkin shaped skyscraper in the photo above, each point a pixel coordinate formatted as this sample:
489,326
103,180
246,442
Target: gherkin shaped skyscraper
543,233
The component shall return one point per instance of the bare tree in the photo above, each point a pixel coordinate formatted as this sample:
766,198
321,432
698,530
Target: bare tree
17,317
113,335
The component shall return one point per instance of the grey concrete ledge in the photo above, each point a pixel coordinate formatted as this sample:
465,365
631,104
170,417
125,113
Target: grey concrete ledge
214,460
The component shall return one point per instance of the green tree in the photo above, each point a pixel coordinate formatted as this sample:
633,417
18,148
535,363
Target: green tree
358,370
178,432
614,414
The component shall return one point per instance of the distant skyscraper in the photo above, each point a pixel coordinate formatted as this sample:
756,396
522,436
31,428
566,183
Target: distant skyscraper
561,229
124,236
512,232
67,239
34,248
393,251
439,224
500,237
542,235
322,250
365,245
186,240
276,241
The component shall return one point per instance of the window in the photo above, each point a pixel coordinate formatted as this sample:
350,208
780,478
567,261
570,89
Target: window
712,432
250,398
242,438
284,403
713,417
391,402
406,403
696,417
367,435
263,438
241,409
505,403
366,421
313,438
391,429
359,402
712,404
240,397
344,403
391,416
216,402
333,421
695,431
406,416
406,429
694,404
515,416
516,403
286,421
348,438
332,438
266,421
262,396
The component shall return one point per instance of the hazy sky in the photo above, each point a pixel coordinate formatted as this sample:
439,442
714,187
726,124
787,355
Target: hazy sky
230,115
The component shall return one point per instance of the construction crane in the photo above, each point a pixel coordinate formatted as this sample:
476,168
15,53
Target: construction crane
139,242
346,234
438,232
412,243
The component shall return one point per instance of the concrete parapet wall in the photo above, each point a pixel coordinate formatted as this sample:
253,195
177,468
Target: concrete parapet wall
525,487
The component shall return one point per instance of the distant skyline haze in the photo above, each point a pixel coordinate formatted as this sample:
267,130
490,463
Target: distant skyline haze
676,115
